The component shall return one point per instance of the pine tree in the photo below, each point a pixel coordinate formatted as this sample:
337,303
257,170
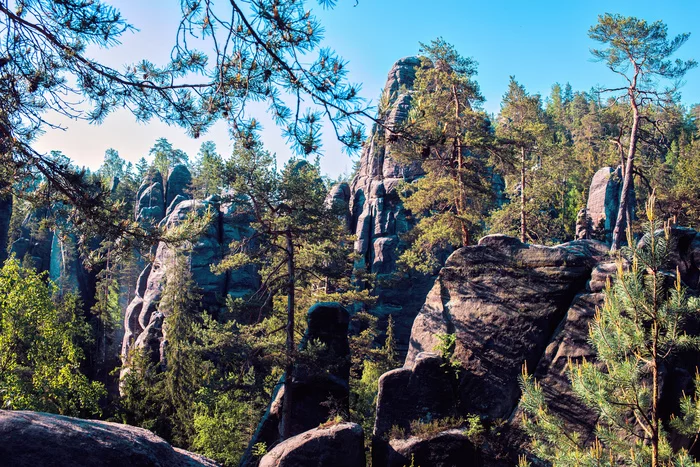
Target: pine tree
641,53
521,126
208,171
448,133
299,245
165,157
638,327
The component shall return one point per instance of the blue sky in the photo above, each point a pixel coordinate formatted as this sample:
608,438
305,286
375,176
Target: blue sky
539,42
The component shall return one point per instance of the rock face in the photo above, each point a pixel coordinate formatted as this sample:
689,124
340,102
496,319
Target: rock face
144,317
446,449
150,199
508,303
504,301
603,203
377,215
319,388
143,320
340,445
179,181
37,439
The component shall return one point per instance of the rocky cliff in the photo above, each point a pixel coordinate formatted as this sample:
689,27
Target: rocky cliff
376,214
507,304
143,320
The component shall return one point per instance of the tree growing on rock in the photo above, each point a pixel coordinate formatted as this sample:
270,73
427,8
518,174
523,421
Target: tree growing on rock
448,133
638,328
299,244
641,54
521,127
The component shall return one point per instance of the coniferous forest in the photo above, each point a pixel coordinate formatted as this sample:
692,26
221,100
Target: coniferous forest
483,288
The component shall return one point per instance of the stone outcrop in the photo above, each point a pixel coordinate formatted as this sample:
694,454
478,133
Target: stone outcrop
179,181
32,439
603,204
503,300
445,449
320,388
507,303
144,317
377,216
338,445
150,199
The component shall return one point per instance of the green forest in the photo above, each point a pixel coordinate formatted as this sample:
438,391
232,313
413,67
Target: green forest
230,302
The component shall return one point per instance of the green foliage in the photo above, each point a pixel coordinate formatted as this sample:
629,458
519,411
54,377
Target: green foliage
446,348
40,356
208,171
639,326
369,362
448,134
165,157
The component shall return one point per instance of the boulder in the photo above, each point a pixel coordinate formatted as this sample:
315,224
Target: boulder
337,445
38,439
445,449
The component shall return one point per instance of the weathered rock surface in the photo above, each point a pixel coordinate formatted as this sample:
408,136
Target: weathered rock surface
340,445
503,300
32,439
377,216
150,199
446,449
319,388
179,181
603,203
507,304
144,317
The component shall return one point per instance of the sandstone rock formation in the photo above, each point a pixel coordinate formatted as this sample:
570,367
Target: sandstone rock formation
319,388
144,317
510,303
377,216
504,301
339,445
604,202
32,439
445,449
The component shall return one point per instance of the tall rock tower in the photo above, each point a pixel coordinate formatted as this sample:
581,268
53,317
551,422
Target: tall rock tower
377,216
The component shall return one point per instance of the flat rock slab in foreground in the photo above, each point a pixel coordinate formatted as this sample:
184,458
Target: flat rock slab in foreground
340,445
39,439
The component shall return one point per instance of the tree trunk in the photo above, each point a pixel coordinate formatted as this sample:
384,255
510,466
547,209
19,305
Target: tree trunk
289,347
461,201
628,182
523,226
